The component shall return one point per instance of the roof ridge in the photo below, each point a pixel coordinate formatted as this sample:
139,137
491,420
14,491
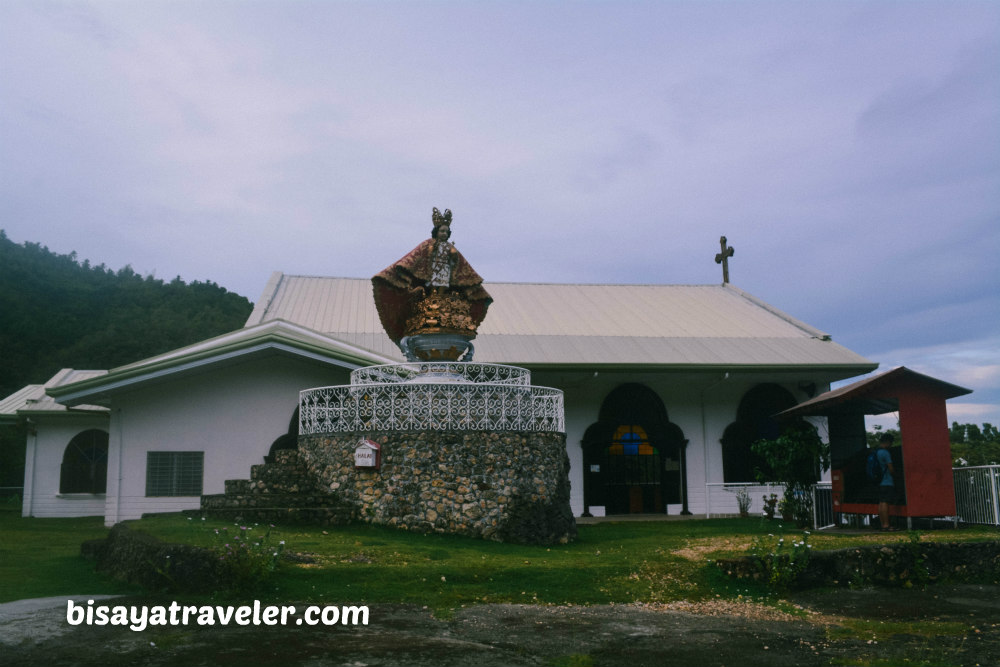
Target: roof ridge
811,330
512,282
259,312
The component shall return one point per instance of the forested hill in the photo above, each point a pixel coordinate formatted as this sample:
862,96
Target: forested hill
58,312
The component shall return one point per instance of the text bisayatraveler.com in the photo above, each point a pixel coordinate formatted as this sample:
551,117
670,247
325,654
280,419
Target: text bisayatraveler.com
139,617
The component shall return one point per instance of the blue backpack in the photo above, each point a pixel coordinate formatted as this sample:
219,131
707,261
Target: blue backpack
873,467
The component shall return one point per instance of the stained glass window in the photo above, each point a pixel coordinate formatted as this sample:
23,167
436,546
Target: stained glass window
631,440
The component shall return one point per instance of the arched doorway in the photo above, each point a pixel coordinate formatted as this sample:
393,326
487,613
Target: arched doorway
633,455
754,421
85,463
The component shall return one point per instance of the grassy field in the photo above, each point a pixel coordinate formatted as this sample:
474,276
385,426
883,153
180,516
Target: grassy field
612,562
41,557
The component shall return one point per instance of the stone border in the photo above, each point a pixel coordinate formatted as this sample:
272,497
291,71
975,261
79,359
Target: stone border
140,558
898,564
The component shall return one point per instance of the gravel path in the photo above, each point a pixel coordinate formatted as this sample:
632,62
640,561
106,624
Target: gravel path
814,628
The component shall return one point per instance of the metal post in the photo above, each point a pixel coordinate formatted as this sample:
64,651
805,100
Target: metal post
993,496
815,502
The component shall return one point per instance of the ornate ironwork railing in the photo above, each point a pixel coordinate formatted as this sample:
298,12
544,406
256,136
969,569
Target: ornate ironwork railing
437,407
442,371
433,396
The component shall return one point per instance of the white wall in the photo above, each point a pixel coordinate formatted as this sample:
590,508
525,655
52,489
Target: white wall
45,448
231,413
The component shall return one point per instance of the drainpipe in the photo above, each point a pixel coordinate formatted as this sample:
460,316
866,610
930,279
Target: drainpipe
684,479
121,476
28,493
704,434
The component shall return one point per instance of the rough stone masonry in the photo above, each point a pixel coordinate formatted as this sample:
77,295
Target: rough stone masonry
506,486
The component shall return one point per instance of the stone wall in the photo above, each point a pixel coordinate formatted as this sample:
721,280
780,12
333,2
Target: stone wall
282,491
140,558
506,486
897,564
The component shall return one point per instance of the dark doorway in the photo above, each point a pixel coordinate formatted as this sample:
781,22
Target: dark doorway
633,455
289,440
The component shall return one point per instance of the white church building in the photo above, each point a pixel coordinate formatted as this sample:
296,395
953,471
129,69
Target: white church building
665,388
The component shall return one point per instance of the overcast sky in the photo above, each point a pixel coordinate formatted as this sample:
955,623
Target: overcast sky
850,151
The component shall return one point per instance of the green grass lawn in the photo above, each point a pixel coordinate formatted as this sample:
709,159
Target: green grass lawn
610,562
41,557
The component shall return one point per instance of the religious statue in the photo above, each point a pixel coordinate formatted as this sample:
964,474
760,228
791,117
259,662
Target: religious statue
432,301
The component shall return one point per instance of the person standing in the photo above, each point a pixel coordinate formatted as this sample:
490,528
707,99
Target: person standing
887,487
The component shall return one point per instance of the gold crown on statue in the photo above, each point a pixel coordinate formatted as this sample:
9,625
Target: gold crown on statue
441,218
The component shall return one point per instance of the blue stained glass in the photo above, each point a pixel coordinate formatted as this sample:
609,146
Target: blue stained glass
632,449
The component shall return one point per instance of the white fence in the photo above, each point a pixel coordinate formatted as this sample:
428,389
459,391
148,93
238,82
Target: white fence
724,499
977,493
977,497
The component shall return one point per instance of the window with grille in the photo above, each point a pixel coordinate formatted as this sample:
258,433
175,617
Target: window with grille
174,473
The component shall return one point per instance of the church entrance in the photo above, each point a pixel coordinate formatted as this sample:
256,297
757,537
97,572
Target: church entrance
633,455
634,478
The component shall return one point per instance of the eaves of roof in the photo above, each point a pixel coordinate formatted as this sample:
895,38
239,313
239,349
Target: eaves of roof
875,395
31,401
276,337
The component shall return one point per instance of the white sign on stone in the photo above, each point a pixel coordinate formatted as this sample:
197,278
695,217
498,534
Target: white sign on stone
366,454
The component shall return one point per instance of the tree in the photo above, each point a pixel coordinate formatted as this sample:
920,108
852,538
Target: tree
796,458
56,312
972,445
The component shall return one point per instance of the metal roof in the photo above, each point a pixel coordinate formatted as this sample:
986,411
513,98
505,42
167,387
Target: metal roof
539,324
875,395
32,399
272,337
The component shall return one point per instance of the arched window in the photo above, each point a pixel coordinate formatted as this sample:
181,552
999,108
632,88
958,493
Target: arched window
754,421
633,455
85,463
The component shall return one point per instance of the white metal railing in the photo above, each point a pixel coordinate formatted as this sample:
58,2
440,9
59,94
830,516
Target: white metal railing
977,494
977,497
723,499
823,514
435,396
442,371
423,407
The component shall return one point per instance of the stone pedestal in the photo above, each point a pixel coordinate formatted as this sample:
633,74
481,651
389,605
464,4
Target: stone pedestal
509,486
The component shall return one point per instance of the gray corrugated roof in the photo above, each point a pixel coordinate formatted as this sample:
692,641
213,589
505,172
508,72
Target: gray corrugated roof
33,399
541,324
271,337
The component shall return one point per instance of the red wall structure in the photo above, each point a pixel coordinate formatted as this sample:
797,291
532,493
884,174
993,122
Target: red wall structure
923,459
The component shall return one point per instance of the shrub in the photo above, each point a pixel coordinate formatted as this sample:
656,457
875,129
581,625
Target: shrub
796,458
247,558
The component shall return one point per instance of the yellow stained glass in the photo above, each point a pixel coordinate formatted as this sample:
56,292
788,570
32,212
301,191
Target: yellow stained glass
631,440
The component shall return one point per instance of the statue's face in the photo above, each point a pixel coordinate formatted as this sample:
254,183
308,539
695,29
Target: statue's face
442,233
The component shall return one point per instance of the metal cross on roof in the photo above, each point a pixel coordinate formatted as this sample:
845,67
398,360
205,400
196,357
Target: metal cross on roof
723,258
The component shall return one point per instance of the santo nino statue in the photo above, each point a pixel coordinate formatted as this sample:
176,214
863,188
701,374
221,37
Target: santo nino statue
432,301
